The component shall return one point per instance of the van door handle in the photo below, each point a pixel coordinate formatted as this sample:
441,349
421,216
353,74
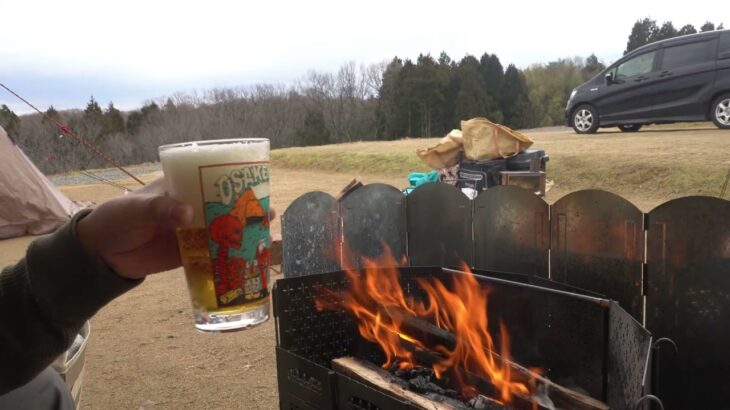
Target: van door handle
666,73
640,79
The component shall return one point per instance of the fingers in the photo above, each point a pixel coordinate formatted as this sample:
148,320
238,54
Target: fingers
166,211
156,187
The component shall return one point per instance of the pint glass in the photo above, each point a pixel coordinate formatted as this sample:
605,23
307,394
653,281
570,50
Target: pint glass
225,252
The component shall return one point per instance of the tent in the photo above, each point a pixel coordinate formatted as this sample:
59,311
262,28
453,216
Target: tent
29,202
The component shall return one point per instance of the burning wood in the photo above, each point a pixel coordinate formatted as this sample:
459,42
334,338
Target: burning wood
449,333
376,296
419,390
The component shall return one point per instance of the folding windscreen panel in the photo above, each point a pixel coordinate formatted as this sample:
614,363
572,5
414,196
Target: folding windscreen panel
310,230
597,243
688,300
511,231
373,217
439,226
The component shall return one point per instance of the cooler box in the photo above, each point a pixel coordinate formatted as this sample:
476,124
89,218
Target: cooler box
521,161
480,175
70,365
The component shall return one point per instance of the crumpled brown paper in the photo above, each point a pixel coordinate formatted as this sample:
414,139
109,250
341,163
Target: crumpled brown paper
479,139
484,140
445,154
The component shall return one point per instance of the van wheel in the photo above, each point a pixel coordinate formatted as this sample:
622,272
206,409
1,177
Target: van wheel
720,111
585,119
629,127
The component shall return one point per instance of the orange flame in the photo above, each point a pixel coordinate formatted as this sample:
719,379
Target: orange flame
379,303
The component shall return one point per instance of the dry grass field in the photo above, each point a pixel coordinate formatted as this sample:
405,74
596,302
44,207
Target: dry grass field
144,352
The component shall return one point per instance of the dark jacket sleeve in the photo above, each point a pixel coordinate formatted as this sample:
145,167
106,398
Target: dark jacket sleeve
46,298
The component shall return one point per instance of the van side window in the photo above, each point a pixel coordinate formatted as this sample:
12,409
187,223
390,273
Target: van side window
641,64
723,51
688,54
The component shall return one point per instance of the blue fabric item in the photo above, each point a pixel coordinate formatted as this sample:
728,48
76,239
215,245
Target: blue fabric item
417,179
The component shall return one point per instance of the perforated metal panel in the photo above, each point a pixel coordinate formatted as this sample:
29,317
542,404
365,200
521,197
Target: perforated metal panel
629,346
311,235
439,226
307,332
688,299
511,231
374,216
303,385
597,243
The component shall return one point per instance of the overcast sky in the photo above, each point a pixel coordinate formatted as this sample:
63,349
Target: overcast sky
61,52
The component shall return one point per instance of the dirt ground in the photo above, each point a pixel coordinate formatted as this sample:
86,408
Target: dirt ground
144,352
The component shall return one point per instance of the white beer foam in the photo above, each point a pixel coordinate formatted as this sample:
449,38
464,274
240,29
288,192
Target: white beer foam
180,165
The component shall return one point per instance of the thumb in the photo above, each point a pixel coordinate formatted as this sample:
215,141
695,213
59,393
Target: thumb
166,211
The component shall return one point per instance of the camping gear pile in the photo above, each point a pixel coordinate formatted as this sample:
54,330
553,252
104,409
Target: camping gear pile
484,154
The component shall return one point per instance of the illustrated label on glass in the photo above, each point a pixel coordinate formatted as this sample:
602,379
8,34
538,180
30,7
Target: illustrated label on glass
236,208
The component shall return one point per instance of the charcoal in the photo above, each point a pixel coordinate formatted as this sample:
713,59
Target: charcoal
483,403
423,371
436,389
419,383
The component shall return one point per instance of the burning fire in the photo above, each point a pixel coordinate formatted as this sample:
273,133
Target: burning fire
378,301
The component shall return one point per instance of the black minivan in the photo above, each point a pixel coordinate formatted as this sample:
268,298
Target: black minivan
684,78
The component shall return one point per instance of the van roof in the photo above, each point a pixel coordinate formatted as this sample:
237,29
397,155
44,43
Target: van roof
680,39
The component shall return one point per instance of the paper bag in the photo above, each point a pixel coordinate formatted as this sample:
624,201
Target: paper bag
484,140
445,154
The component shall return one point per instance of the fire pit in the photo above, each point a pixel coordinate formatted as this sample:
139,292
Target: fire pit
588,346
568,347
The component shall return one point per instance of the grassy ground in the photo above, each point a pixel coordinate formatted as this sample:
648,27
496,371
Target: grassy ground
656,164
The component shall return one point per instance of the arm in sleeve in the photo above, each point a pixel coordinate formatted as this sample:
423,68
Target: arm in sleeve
46,298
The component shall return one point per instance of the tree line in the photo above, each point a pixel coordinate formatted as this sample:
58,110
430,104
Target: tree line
647,31
402,98
425,97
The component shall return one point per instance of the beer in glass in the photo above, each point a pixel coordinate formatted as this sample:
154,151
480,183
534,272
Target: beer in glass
225,251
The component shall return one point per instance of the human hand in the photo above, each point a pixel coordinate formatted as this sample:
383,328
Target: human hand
135,234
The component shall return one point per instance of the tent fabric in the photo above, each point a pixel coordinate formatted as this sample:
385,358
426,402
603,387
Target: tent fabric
29,203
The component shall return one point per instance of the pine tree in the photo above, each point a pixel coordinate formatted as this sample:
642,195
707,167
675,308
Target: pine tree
472,99
592,67
666,31
52,113
687,29
406,123
136,119
387,108
93,111
313,131
426,91
113,120
515,101
492,73
708,26
641,34
445,70
9,121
